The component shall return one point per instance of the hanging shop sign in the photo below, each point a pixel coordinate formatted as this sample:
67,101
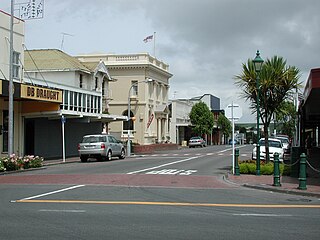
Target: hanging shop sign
41,94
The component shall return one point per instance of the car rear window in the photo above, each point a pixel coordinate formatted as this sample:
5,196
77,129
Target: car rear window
271,143
93,139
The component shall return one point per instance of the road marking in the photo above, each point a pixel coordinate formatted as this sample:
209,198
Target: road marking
182,204
67,211
50,193
163,165
261,215
172,172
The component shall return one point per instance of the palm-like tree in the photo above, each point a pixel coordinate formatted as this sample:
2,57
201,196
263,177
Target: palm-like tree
277,82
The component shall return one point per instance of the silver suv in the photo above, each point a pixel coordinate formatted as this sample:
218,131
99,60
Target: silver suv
101,147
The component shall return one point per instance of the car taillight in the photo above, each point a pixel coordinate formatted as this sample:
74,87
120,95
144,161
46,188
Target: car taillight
78,146
103,146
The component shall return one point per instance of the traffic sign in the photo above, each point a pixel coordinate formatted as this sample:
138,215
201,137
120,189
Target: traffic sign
233,111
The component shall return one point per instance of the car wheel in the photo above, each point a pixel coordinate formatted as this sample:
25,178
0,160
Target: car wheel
123,154
109,156
83,159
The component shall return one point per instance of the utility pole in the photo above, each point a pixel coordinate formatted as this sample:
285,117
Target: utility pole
10,127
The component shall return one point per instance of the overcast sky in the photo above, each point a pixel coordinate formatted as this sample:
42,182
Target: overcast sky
204,42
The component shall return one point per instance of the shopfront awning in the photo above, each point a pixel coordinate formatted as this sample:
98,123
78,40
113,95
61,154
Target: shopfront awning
310,105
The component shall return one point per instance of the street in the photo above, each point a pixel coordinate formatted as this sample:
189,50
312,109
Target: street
176,195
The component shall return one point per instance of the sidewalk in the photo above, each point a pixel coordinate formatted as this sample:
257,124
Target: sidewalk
60,161
288,184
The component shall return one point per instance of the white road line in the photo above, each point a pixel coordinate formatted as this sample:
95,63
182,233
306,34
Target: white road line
163,165
262,215
50,193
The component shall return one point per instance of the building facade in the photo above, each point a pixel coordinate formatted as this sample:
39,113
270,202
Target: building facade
84,106
56,99
18,57
142,85
180,125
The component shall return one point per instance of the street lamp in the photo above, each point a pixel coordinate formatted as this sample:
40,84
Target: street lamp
257,62
129,110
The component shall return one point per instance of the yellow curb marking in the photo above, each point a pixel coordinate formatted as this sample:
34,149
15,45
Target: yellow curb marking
173,204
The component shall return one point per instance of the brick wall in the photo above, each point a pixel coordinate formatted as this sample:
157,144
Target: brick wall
139,149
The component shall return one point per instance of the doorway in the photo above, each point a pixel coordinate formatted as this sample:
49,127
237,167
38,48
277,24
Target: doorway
29,137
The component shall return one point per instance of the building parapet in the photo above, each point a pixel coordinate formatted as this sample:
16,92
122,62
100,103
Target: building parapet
125,59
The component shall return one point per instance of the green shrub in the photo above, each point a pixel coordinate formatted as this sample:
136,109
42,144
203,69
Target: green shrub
266,169
249,167
243,168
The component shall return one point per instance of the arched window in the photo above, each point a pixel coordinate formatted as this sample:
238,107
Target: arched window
127,125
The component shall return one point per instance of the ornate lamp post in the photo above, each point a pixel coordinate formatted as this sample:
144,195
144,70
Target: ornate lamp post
257,62
129,111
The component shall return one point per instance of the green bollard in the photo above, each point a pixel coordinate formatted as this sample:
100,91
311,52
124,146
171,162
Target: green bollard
236,162
302,173
276,171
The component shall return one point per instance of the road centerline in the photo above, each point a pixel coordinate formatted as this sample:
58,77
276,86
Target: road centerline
180,204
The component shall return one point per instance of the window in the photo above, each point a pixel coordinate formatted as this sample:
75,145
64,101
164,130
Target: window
71,102
16,65
96,83
128,125
65,99
103,86
134,86
81,81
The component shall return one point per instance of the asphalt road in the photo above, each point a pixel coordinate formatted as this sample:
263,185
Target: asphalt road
177,195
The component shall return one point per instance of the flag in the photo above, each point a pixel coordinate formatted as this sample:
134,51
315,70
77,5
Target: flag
148,39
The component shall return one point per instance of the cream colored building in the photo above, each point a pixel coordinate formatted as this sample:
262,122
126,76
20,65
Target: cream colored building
18,57
84,101
147,78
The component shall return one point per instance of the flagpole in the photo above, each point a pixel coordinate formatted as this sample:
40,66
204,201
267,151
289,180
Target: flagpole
154,44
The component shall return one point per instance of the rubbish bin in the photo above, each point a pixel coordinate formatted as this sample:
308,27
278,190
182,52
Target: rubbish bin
295,155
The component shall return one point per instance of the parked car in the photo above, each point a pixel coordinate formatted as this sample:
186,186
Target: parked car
101,147
197,141
285,142
235,142
275,146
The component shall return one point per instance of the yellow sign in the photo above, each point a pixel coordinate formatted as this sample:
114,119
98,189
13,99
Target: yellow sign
0,86
42,94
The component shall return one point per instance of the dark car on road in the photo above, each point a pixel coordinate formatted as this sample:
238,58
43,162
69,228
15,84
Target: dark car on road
101,147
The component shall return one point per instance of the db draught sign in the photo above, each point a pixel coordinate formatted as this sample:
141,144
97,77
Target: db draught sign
150,120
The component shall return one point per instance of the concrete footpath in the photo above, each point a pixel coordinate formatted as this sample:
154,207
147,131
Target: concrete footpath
288,184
